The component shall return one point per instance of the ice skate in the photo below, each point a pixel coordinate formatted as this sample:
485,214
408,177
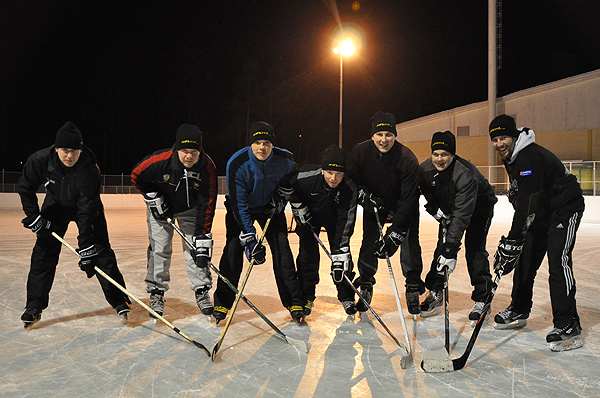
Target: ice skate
476,312
122,310
412,300
219,313
432,305
297,313
308,307
567,338
349,307
203,301
157,302
509,319
31,316
366,290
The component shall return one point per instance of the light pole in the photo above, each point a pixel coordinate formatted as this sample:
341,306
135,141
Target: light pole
345,46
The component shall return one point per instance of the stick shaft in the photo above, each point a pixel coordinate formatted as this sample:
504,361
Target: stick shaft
121,288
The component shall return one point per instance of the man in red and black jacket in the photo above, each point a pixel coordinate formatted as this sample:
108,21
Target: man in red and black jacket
180,184
69,172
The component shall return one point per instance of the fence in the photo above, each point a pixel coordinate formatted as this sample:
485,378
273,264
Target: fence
587,172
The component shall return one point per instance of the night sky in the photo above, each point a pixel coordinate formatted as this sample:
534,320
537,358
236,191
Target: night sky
129,72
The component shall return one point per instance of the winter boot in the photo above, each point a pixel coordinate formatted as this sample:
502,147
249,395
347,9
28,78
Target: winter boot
366,290
123,309
297,313
219,313
476,313
349,307
157,302
432,304
203,300
308,306
509,319
567,338
31,316
412,299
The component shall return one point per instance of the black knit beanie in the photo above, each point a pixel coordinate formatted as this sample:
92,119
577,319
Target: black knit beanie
68,136
383,122
188,137
445,141
334,159
503,125
261,131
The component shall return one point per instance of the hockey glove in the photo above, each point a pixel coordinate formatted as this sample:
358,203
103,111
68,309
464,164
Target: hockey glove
302,215
275,205
390,243
88,261
252,249
157,205
340,264
368,201
447,258
203,245
507,255
39,225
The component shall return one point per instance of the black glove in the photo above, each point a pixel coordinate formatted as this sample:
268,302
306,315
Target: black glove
276,203
157,205
252,249
368,201
390,243
340,264
88,261
507,255
203,245
39,225
302,215
447,257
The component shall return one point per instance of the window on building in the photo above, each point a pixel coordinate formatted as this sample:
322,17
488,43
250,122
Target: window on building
462,131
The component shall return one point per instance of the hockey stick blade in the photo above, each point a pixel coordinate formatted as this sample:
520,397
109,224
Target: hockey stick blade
298,344
433,365
121,288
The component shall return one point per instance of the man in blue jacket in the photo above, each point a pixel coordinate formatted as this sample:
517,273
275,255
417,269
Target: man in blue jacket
258,185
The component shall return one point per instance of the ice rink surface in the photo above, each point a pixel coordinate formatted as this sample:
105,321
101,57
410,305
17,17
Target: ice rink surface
81,348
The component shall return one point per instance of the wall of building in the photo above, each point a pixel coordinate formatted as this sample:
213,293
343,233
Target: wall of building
565,116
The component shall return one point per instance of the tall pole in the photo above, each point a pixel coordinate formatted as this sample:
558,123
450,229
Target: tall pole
492,53
341,96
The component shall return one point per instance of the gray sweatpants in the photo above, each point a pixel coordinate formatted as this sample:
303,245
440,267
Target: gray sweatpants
160,234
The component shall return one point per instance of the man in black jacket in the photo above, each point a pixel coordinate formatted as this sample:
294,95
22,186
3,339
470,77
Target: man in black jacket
179,183
548,203
324,197
462,201
69,172
387,176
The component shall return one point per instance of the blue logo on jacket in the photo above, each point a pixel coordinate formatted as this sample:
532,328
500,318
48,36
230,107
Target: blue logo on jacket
525,173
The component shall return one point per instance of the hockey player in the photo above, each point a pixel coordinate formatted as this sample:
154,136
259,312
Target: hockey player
258,185
179,183
387,176
71,177
548,203
462,201
323,197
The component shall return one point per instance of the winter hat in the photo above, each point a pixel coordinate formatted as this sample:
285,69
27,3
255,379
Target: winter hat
68,136
261,131
383,122
444,141
188,137
503,125
334,159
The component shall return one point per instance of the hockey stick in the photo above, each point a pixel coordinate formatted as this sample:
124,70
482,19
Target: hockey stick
239,293
121,288
446,300
407,358
435,365
396,294
301,345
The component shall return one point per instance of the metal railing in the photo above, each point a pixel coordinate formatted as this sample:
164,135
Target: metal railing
587,173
